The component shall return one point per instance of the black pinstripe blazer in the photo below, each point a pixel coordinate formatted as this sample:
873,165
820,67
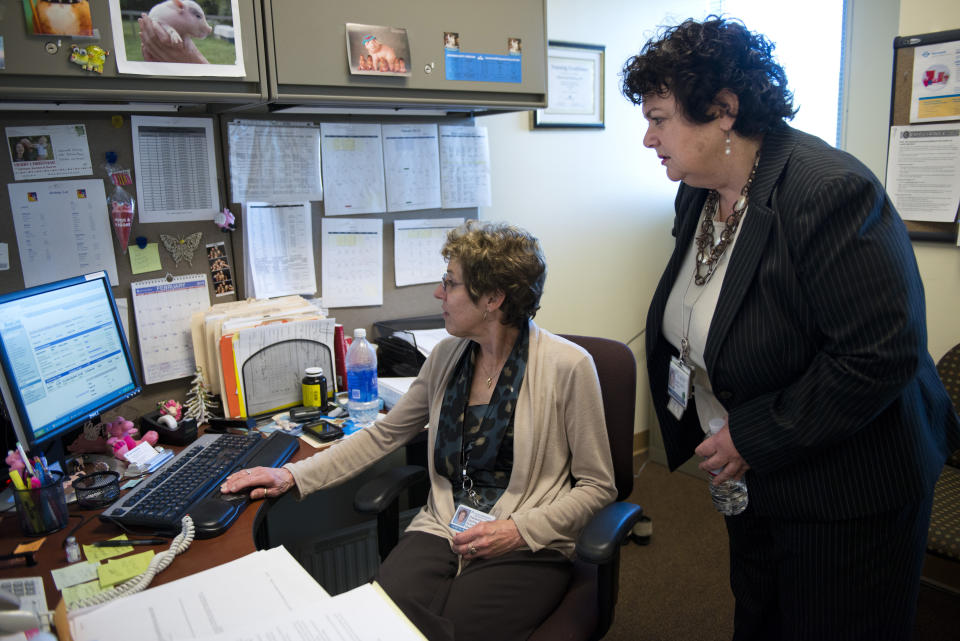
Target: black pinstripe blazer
818,346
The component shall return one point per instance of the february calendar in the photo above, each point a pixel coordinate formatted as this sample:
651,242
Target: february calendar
162,309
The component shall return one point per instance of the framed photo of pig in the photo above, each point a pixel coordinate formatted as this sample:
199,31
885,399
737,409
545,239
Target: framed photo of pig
377,51
177,37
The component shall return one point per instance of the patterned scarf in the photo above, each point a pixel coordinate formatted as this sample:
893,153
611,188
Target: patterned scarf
486,445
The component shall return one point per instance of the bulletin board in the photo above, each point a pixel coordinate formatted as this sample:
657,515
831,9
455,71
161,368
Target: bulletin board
107,132
904,48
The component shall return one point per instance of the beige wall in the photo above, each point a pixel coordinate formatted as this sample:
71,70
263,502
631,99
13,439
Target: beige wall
600,202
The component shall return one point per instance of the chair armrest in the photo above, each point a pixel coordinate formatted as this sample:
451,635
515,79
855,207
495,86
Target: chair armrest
600,540
378,493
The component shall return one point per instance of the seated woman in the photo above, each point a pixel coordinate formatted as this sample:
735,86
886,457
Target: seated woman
516,431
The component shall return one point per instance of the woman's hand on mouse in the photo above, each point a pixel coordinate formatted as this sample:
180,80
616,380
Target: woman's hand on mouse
265,481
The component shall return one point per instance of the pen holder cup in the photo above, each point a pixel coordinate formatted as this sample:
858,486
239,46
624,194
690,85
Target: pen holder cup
97,490
43,509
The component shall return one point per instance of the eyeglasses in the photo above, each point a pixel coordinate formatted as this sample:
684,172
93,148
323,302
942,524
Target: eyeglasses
447,282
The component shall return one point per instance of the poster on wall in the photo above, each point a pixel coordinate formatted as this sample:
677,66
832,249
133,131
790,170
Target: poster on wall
177,37
935,93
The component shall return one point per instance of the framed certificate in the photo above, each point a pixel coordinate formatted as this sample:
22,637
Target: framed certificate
574,86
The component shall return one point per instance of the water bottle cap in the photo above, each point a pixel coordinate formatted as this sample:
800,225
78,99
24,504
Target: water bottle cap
716,424
359,333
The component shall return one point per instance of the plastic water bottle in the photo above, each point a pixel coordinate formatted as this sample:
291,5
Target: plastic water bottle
730,497
364,402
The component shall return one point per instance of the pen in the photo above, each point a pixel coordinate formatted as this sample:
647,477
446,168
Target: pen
114,543
26,459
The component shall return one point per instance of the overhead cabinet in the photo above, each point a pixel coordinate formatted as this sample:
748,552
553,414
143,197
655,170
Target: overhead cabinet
38,68
455,55
349,56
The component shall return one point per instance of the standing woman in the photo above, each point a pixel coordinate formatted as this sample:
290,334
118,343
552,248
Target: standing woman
516,434
792,308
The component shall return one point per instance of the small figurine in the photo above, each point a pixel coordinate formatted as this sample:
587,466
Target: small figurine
122,435
225,220
14,462
90,58
96,57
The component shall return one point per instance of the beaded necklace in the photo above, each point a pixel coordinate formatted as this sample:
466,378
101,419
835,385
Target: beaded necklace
708,253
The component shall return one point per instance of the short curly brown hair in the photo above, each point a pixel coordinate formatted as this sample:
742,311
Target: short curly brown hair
497,257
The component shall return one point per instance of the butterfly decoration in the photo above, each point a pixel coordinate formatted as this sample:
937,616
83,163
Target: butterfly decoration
182,248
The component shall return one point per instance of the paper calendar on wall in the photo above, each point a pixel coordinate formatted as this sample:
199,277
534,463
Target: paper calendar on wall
162,310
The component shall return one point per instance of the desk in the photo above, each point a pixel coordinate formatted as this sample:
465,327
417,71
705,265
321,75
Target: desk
261,525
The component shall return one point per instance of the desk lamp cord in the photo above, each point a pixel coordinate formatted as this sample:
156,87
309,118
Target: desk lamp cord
159,563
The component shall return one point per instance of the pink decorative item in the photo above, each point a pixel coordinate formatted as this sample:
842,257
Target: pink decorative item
121,215
225,220
122,435
171,407
14,462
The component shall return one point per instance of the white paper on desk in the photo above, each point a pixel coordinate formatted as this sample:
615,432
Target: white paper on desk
352,262
273,160
416,249
162,310
278,249
364,613
411,164
464,167
62,229
49,151
176,168
923,171
352,159
233,596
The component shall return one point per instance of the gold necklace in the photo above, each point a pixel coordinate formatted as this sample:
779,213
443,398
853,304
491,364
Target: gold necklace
489,380
708,253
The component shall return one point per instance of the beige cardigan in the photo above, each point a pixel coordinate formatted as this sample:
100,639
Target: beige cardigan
559,437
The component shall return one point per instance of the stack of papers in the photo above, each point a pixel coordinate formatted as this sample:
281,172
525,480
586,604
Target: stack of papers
270,596
253,353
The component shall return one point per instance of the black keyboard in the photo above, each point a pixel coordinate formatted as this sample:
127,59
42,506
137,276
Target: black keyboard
190,484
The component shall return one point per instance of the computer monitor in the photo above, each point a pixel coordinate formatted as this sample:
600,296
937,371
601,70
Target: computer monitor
64,358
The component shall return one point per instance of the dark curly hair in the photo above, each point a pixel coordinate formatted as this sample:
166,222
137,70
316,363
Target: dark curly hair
496,257
694,61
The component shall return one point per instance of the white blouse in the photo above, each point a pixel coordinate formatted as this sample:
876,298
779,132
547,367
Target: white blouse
689,312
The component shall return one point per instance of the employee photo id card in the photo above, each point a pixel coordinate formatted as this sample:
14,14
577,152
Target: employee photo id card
465,518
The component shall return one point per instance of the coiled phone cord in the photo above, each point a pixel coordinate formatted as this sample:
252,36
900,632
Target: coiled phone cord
159,563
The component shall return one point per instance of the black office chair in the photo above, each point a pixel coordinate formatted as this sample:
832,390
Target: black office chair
586,610
943,538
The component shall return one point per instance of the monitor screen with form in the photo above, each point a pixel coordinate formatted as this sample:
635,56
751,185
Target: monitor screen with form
64,358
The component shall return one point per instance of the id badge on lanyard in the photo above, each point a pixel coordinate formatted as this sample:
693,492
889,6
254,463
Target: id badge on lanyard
679,386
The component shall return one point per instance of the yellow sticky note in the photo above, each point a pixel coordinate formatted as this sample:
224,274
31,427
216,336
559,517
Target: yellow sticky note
120,570
75,593
32,546
144,260
93,553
